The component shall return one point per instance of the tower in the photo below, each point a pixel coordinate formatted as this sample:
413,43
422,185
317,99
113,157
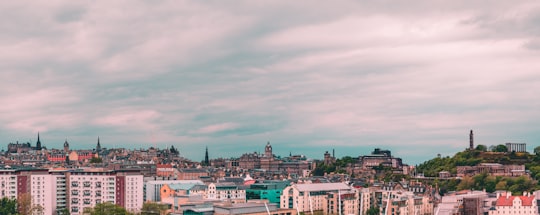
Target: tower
471,141
206,161
268,151
98,146
66,146
38,143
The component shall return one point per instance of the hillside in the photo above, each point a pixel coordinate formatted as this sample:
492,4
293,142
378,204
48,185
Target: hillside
432,167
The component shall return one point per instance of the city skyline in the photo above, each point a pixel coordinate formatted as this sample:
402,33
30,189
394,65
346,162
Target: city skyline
352,76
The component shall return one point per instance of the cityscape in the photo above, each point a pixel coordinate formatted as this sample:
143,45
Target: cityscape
346,107
499,179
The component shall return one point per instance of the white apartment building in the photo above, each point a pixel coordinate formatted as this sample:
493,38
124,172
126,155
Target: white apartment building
88,188
8,184
227,191
311,197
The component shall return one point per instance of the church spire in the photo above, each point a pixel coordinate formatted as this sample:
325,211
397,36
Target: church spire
206,161
98,147
38,143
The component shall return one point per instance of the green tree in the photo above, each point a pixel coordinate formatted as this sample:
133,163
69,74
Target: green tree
373,211
150,208
466,183
96,160
8,206
63,211
500,148
107,208
537,150
481,147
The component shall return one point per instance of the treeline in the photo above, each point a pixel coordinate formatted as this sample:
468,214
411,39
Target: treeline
15,207
516,185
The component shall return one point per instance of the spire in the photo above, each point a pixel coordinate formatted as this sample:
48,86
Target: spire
206,161
38,143
98,147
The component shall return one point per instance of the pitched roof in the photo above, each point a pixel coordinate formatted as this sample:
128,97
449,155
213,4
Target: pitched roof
509,201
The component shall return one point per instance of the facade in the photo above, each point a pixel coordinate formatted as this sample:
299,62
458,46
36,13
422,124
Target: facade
508,204
312,197
152,188
192,174
252,209
516,147
458,202
494,169
225,192
8,183
380,158
164,170
269,191
74,190
88,188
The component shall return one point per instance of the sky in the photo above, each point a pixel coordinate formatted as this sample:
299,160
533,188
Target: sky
307,76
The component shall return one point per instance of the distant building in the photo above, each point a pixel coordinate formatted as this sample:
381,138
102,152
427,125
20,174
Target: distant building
380,158
516,147
269,191
226,192
494,169
164,170
313,197
522,205
252,209
192,174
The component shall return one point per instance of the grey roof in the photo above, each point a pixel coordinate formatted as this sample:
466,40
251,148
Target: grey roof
181,186
322,187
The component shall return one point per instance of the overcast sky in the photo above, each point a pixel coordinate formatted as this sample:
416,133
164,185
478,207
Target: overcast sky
309,76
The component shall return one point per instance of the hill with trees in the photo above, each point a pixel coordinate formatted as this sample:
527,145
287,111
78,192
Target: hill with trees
497,154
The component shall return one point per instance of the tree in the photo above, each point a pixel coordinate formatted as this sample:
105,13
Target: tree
24,204
537,150
106,208
500,148
373,211
96,160
8,206
63,211
482,148
153,208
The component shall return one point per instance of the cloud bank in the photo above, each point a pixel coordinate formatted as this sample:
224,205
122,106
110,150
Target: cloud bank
306,76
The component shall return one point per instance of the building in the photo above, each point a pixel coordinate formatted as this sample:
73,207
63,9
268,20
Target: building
192,174
516,147
252,209
152,187
380,158
508,204
494,169
312,197
8,183
269,191
90,187
225,192
458,202
164,170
